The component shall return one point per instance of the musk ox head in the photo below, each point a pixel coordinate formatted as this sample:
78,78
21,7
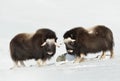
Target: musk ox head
71,39
50,46
45,41
70,45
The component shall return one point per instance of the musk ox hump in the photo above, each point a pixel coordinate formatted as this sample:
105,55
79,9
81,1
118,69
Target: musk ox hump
90,30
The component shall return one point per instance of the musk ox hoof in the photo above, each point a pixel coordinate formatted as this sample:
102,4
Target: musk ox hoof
14,67
78,60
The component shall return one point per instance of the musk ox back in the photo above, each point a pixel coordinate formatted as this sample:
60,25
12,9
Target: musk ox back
80,41
40,46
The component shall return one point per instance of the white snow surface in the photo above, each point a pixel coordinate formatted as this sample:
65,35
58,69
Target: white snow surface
92,69
18,16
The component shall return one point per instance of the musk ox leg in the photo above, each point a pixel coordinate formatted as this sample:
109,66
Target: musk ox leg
111,54
15,65
41,62
44,62
103,55
22,63
79,59
82,57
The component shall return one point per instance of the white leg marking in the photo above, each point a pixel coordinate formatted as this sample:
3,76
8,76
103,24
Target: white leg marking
22,63
15,65
103,55
80,59
44,62
76,60
39,62
111,54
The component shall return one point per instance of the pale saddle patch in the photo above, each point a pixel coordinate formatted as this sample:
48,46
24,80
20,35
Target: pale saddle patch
29,35
90,30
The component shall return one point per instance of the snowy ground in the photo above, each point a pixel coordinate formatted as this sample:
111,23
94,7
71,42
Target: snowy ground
92,69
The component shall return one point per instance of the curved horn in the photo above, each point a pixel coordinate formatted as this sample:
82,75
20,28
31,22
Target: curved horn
57,45
65,40
73,40
69,39
43,44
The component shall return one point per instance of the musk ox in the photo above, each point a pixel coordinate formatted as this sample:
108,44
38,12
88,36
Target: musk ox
40,46
80,41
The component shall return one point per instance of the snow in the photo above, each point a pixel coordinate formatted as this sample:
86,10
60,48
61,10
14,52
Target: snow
92,69
18,16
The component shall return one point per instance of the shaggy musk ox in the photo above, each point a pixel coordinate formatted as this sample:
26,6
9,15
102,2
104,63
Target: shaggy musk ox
39,46
80,41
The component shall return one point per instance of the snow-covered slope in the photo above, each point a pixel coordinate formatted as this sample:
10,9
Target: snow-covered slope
92,69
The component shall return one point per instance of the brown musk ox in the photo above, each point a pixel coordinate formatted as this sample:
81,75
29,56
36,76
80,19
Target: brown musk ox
80,41
40,46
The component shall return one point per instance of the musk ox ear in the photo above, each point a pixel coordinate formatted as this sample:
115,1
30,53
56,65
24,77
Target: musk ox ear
43,44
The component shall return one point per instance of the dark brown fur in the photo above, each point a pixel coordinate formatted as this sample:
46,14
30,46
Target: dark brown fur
100,40
26,46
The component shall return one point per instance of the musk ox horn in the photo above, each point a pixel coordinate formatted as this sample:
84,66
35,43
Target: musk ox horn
69,39
43,44
50,41
73,40
57,45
